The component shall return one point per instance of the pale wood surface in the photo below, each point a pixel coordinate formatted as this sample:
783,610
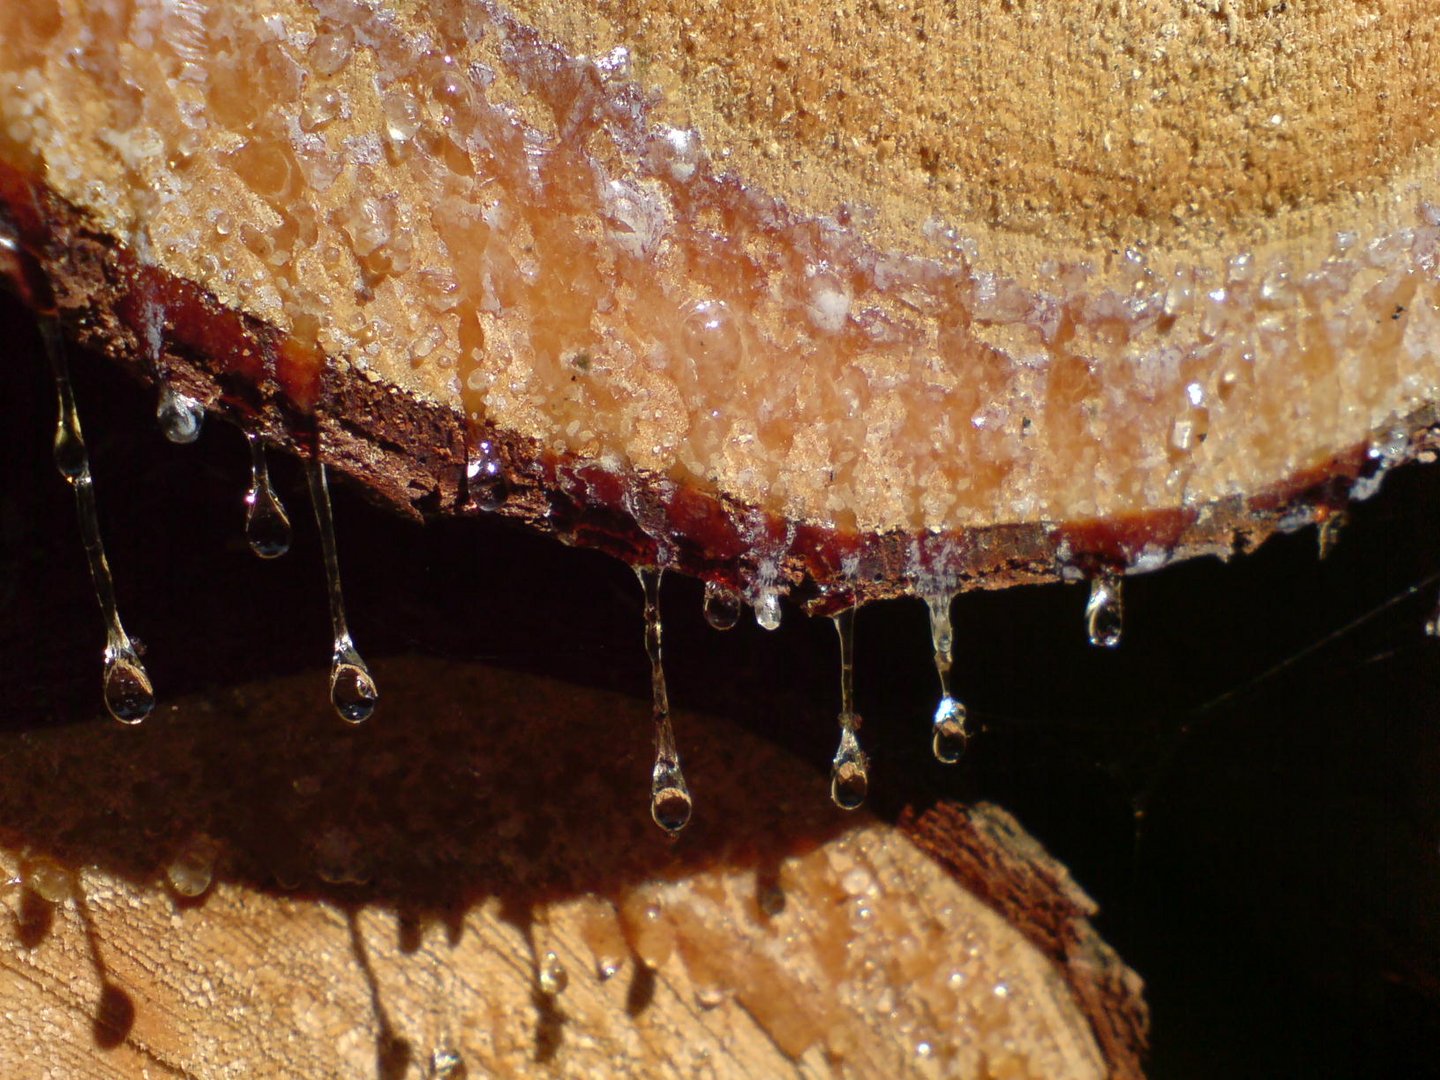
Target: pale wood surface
380,897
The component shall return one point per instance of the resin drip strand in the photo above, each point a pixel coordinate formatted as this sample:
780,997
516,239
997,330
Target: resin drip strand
1105,611
669,795
267,526
352,690
949,735
128,693
850,771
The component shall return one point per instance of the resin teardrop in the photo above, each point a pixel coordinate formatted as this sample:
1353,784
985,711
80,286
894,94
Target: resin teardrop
670,802
1105,611
127,690
126,687
485,477
850,769
267,526
722,606
552,976
352,690
767,609
180,416
948,735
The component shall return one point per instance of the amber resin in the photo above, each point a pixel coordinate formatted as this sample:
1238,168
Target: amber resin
551,227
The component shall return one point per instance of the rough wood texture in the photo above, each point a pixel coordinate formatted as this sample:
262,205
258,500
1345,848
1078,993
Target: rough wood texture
1177,124
1010,871
384,900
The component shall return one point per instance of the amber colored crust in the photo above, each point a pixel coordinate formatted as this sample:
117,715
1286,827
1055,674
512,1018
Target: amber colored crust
411,454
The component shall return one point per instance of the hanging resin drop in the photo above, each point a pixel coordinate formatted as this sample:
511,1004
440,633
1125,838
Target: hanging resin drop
1105,611
722,606
180,416
128,694
767,608
267,526
352,690
126,686
850,770
1432,625
949,736
669,796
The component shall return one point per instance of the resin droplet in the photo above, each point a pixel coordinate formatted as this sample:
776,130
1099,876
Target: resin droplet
180,416
1432,626
850,771
650,933
191,872
1105,612
949,735
446,1064
722,606
553,977
600,930
47,879
669,795
352,690
485,477
128,693
267,526
670,801
767,609
126,686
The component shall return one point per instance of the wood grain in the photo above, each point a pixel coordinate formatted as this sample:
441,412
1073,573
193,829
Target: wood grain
382,897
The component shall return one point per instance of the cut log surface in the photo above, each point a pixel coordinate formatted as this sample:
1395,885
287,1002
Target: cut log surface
242,887
788,297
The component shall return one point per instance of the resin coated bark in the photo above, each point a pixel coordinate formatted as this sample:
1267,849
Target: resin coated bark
757,324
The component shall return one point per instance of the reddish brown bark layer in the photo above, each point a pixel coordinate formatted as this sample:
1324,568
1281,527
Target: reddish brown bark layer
411,454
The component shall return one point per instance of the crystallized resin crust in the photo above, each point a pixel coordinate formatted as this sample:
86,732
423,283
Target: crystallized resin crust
561,241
